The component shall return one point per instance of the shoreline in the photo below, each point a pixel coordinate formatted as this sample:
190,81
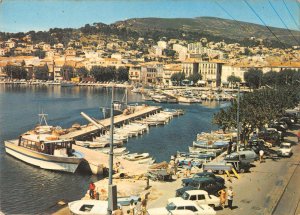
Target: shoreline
160,192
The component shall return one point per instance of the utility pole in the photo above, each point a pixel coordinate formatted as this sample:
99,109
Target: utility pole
238,120
112,189
111,136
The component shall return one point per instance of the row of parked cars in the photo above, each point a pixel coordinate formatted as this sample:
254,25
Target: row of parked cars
197,196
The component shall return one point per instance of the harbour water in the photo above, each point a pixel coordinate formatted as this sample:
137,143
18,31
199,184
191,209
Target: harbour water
30,190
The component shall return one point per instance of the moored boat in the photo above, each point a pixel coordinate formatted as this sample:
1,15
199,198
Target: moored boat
84,207
45,151
136,156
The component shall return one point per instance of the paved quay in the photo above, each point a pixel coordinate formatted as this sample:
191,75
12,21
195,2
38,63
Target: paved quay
272,187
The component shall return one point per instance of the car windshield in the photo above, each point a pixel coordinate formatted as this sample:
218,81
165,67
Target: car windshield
285,147
185,196
171,206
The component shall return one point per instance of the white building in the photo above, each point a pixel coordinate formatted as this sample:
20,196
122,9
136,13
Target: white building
162,44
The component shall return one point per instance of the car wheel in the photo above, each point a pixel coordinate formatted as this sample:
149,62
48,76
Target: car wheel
221,172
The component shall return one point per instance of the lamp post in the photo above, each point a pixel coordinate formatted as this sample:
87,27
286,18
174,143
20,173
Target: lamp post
238,120
112,189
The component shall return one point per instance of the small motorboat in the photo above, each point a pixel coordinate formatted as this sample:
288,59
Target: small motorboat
92,207
136,156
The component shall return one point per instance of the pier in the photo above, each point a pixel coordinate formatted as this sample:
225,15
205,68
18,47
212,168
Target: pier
97,161
139,112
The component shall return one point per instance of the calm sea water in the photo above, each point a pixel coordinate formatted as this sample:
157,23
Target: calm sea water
29,190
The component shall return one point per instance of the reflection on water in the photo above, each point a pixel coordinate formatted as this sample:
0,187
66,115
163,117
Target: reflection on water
27,189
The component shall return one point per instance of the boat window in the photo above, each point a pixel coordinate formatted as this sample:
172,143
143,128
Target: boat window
86,208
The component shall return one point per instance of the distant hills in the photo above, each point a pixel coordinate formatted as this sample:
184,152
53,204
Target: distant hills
224,28
190,29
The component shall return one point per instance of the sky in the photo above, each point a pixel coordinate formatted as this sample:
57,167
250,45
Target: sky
40,15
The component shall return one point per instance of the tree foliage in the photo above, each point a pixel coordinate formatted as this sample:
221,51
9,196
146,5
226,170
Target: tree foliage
41,72
253,77
195,77
67,72
233,79
178,77
82,72
257,109
39,53
15,72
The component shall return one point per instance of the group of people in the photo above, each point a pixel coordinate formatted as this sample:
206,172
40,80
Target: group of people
226,196
137,208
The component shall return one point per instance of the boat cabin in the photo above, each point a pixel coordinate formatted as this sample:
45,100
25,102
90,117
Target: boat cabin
47,144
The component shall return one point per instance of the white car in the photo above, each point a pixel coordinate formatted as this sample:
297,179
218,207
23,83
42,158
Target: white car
285,149
200,197
180,206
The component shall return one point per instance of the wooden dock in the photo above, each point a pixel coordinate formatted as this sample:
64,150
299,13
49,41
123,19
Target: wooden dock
140,112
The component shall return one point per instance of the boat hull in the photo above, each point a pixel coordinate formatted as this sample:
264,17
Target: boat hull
66,164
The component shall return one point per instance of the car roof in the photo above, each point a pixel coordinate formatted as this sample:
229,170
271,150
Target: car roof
182,202
285,144
205,173
193,192
203,179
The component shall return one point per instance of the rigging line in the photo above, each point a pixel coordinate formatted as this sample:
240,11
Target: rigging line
291,13
283,21
268,27
243,27
263,22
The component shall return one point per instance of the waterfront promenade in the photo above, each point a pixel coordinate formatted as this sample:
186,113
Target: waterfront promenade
271,187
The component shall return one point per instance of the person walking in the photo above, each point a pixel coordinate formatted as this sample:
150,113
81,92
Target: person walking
222,194
261,155
144,207
92,188
189,168
138,207
229,148
132,207
230,195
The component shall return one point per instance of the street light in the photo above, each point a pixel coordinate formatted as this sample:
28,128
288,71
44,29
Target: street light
112,189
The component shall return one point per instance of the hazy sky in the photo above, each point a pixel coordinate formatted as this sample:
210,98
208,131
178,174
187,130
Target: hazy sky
26,15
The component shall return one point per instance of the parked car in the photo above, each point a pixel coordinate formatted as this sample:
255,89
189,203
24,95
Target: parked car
201,197
187,181
182,207
289,121
257,145
285,150
244,156
270,135
280,126
208,184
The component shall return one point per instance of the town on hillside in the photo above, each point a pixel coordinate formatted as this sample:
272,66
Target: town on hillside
92,58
